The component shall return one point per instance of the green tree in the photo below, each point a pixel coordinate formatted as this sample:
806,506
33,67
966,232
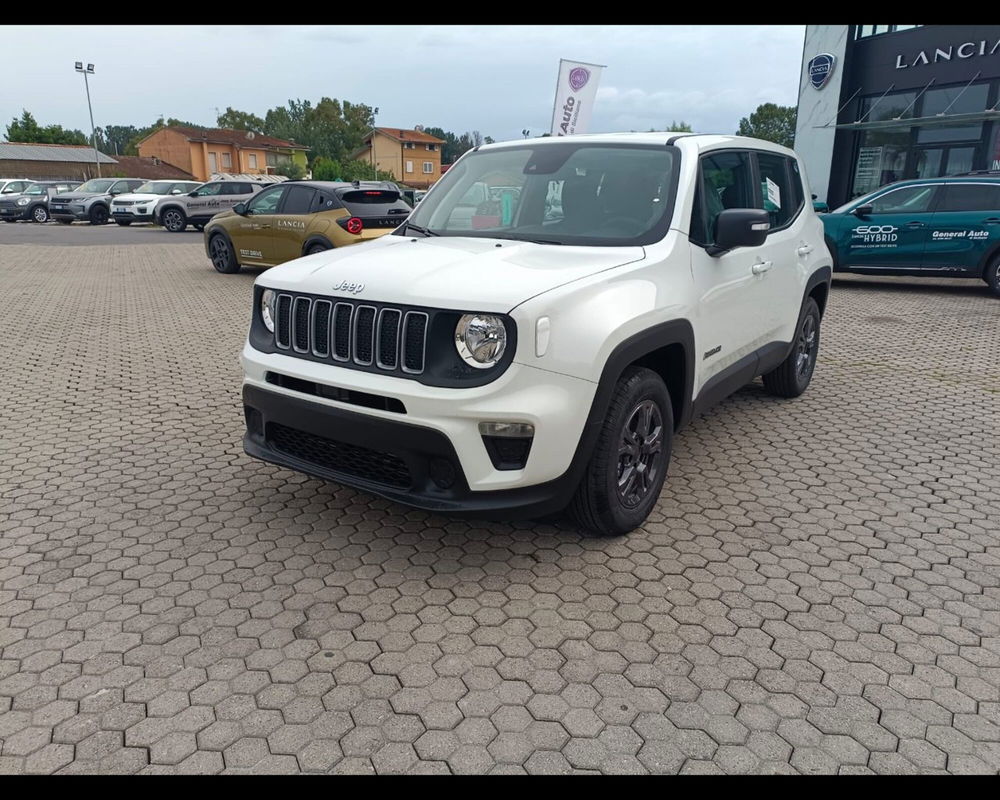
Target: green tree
240,121
325,169
27,129
331,129
356,170
112,139
292,170
771,122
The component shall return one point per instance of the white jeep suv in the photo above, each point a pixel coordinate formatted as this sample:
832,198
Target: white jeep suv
518,361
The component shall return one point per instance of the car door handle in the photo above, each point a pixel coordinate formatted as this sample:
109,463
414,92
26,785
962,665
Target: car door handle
263,226
761,267
991,221
915,224
805,250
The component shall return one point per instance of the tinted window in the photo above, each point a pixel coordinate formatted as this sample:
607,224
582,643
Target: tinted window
234,188
266,202
726,180
373,202
323,201
776,191
209,189
298,199
907,200
970,197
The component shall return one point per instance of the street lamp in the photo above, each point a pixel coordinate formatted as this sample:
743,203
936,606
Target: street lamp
89,70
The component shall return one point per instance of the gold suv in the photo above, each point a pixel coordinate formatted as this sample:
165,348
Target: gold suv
298,218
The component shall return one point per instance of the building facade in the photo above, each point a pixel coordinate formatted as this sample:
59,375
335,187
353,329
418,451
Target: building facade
205,151
881,103
412,156
40,162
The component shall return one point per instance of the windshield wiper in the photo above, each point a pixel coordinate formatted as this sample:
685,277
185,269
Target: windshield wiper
407,225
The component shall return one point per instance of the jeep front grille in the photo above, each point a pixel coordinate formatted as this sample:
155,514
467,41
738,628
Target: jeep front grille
386,338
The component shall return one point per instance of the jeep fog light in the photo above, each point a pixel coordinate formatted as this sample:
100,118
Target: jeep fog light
480,339
507,443
267,309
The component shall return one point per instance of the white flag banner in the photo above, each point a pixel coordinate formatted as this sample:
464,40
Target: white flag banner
576,91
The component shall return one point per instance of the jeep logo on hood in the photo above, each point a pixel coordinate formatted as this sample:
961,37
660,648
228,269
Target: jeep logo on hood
346,286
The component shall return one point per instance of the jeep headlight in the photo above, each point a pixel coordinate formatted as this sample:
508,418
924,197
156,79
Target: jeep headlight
23,201
480,339
267,299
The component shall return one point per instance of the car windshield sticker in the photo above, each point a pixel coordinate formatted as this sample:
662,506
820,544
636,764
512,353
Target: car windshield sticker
772,194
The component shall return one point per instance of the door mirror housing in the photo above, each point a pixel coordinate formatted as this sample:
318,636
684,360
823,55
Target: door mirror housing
241,209
863,211
176,191
739,227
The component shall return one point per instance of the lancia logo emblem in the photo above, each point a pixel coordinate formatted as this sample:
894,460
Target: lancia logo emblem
347,286
820,69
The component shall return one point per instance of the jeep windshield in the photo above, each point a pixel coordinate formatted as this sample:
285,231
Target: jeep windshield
96,186
555,192
162,187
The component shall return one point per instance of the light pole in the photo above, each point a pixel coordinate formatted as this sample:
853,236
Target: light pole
93,131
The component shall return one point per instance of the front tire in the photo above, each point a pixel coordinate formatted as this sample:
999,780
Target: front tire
173,220
99,215
124,222
792,376
992,276
223,258
626,471
40,214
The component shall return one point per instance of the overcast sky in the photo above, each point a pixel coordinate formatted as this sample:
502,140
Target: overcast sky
498,80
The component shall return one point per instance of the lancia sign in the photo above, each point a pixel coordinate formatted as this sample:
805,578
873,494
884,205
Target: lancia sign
820,69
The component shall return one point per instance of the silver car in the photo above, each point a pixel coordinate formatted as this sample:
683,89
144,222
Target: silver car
198,207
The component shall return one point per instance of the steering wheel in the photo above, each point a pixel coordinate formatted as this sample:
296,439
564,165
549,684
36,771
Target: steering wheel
632,227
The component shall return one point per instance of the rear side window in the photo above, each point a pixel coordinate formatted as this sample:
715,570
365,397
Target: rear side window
323,201
232,188
970,197
726,182
298,200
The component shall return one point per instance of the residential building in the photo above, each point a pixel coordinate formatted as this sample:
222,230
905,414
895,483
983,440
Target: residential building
151,169
881,103
51,161
412,156
204,151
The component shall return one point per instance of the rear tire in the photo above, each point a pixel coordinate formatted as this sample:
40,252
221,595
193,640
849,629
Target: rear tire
792,376
316,248
98,215
992,276
40,214
173,220
199,227
223,258
626,471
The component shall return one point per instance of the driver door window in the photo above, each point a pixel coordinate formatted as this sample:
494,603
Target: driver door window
907,200
266,202
726,180
208,189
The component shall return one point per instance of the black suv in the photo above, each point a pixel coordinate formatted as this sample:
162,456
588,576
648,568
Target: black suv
33,203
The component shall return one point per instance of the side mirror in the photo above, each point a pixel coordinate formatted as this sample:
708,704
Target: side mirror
176,191
739,227
193,194
863,211
241,209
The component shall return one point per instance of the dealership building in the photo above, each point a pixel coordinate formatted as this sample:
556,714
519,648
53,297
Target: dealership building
881,103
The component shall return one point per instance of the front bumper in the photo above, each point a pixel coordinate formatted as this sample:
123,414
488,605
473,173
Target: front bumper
18,212
68,212
130,216
439,425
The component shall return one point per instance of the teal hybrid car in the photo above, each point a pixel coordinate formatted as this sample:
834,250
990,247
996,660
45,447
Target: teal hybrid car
941,227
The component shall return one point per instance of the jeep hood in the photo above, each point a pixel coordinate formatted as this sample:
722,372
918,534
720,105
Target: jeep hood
462,273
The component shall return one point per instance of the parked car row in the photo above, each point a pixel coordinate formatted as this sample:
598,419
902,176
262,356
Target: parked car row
32,201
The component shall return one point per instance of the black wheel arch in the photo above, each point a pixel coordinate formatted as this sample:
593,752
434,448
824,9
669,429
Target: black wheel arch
988,259
158,215
219,231
818,288
316,238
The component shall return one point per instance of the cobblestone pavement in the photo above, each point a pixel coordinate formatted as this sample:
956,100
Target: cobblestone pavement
818,590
